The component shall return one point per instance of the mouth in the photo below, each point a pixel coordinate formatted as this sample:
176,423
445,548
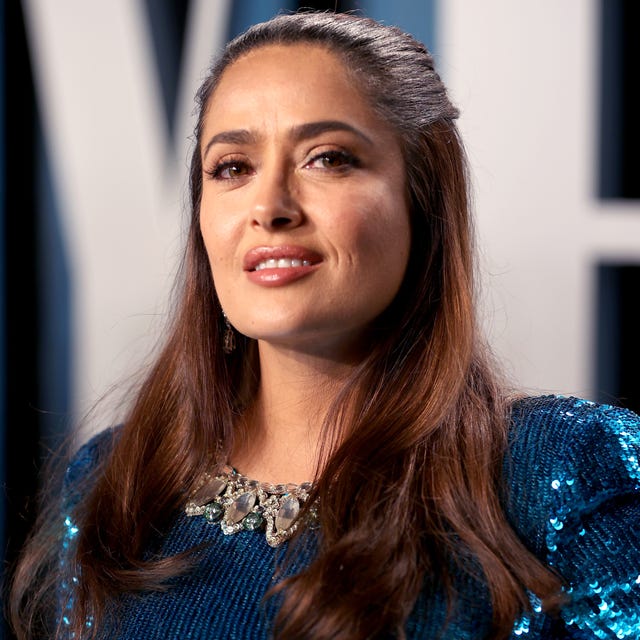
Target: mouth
281,263
280,257
280,266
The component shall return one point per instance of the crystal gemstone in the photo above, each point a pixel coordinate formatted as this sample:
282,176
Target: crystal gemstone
253,521
287,513
240,507
213,512
209,491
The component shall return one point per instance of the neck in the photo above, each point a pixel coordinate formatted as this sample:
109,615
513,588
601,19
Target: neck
284,425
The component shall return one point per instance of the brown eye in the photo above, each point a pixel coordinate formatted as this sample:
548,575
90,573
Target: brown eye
235,170
231,170
333,160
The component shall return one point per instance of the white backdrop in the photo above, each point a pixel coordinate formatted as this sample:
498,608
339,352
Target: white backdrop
525,75
121,180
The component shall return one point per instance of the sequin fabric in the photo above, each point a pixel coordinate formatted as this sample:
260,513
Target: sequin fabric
572,479
575,499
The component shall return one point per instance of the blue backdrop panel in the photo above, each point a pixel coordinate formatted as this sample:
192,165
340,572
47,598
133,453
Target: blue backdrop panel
3,425
415,17
244,13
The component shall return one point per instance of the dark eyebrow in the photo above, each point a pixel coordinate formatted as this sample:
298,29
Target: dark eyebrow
312,129
234,136
297,133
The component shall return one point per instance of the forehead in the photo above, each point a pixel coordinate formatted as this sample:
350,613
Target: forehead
292,82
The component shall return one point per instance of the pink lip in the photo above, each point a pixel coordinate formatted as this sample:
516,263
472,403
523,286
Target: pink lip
278,276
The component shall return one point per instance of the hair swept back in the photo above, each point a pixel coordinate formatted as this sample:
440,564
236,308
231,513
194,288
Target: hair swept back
422,422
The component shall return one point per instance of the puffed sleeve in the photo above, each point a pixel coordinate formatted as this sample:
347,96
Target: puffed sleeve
574,479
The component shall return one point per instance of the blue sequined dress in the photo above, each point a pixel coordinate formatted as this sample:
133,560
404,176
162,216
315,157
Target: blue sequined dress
573,479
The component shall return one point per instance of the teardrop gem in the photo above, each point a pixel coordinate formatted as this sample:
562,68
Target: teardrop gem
208,491
288,512
240,507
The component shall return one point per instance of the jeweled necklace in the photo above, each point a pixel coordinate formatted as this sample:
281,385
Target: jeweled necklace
241,504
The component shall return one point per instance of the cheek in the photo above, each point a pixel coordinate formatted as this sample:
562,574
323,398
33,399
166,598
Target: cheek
217,241
380,233
217,235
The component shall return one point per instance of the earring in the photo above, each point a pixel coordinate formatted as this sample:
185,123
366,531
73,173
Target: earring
229,339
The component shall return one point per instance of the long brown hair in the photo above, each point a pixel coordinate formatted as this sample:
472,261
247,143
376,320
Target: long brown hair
420,425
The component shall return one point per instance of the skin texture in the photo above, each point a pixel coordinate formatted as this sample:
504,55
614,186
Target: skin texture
281,191
277,183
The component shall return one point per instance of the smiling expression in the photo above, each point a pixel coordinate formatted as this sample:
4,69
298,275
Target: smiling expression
304,210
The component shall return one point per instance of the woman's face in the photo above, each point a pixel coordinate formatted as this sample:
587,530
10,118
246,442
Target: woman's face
304,214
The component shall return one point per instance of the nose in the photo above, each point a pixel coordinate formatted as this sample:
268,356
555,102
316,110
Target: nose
274,205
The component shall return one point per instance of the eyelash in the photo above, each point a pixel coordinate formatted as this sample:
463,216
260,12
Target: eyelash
216,172
347,161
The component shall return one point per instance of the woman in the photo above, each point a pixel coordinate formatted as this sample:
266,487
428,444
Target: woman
326,333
